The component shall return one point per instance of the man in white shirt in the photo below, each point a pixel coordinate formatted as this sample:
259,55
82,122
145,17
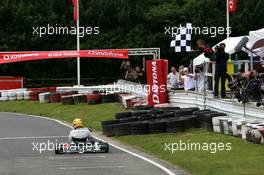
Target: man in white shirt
173,78
189,82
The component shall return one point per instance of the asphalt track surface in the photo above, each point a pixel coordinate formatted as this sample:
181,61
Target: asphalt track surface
20,139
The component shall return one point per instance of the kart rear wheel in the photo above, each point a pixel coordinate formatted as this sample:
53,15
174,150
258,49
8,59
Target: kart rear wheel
105,147
58,151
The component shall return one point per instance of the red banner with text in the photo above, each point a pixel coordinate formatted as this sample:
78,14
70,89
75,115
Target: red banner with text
11,57
157,71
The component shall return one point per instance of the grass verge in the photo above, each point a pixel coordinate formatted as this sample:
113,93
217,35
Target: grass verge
243,159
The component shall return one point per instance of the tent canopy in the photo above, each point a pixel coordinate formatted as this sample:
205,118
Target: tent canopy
256,39
230,43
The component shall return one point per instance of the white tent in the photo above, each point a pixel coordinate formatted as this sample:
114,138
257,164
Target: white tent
256,39
230,43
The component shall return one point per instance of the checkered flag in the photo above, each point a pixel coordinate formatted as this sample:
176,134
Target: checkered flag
182,40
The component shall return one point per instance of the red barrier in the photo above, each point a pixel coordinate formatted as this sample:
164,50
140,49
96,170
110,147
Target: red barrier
157,71
11,83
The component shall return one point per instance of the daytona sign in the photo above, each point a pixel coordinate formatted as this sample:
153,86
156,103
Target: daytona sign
157,81
11,57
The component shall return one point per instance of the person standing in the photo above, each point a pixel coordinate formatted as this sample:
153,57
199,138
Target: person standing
221,58
173,78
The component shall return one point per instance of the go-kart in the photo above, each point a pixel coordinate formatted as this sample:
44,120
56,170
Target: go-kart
82,146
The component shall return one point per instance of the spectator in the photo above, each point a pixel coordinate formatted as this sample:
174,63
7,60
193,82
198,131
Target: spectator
189,80
125,67
173,78
181,74
221,58
139,76
130,74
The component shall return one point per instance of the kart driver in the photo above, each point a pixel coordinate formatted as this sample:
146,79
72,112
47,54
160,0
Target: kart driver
79,132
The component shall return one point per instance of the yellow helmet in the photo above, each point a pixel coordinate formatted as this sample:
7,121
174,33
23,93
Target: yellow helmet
77,123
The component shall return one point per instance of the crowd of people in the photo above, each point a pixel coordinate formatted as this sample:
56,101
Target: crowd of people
181,79
131,73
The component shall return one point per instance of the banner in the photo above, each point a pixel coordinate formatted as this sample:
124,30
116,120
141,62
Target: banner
157,71
11,57
231,5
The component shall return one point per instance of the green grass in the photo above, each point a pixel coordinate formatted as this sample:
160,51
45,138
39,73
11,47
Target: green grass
243,159
91,114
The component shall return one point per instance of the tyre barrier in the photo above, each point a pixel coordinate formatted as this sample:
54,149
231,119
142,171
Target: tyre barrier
175,125
157,127
122,129
105,125
79,98
165,115
149,121
121,115
44,97
12,95
20,95
52,89
146,117
94,98
27,95
139,113
108,98
261,130
206,117
129,119
55,98
139,128
67,100
4,96
34,96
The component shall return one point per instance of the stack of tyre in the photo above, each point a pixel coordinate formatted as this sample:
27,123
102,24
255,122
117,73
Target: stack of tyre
11,95
144,120
90,98
250,130
206,119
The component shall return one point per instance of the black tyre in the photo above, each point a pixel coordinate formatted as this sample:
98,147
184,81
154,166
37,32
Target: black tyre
67,100
208,117
176,125
104,125
165,115
109,130
108,98
191,122
120,115
156,111
139,113
141,108
130,119
104,147
79,98
146,117
122,129
139,128
184,111
157,127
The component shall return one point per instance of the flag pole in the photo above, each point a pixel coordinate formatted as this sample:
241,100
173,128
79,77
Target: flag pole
78,46
227,18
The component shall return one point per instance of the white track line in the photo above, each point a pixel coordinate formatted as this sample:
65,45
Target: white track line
169,172
91,167
33,137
